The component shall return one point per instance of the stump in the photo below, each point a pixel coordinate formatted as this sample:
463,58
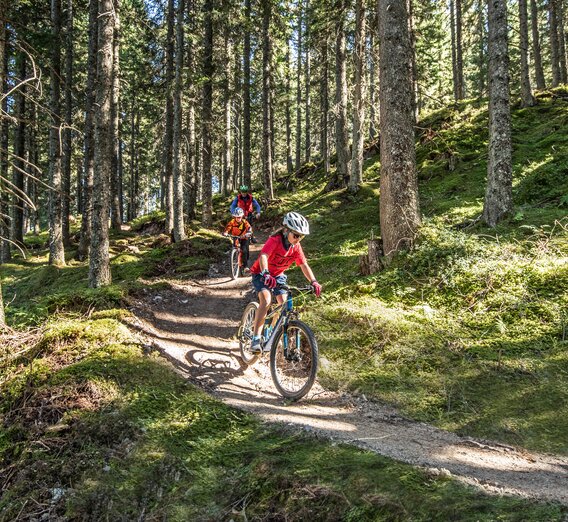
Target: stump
373,261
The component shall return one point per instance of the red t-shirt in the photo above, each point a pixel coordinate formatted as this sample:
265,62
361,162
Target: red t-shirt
279,259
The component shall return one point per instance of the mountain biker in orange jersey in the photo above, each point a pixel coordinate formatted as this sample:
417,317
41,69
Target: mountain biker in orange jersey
279,252
249,205
239,226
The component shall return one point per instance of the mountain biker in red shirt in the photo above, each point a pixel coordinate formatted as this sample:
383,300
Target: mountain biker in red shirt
239,226
249,205
279,252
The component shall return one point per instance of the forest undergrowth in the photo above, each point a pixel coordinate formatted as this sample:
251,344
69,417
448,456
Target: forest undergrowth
467,331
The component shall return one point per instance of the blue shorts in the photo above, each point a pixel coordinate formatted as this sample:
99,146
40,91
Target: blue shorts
259,285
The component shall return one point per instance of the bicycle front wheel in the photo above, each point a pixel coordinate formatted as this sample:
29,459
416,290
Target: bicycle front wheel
245,333
235,263
294,360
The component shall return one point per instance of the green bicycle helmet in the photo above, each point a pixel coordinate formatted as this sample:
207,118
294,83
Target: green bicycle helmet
243,188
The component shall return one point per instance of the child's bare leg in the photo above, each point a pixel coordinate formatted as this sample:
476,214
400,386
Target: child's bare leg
264,300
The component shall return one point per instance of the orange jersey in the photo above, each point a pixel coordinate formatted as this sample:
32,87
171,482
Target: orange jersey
234,228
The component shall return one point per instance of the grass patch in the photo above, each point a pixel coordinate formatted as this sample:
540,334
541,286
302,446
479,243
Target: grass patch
93,427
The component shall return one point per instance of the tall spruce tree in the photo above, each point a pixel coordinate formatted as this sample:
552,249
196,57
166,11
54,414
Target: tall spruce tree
499,192
399,208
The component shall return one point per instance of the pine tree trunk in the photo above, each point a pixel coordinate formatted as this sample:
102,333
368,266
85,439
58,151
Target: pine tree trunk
298,161
554,50
89,134
207,115
324,97
307,74
527,98
168,182
399,208
498,195
115,188
56,250
228,86
266,106
359,99
537,54
237,108
17,232
481,54
179,225
372,75
561,41
191,164
341,141
67,134
99,262
454,49
289,162
460,89
246,96
5,250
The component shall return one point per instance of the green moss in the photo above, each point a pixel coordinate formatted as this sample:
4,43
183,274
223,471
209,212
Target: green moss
117,432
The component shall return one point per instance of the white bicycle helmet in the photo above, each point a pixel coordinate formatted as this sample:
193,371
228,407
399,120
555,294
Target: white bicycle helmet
297,223
238,212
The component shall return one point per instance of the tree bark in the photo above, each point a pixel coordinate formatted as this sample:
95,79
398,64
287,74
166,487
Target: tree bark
307,74
246,96
207,115
228,86
399,207
298,161
17,232
341,143
5,248
561,41
498,195
460,88
289,162
266,105
372,75
179,225
116,188
324,97
99,266
56,250
168,193
454,49
554,48
481,53
537,54
67,133
191,159
527,98
359,99
89,136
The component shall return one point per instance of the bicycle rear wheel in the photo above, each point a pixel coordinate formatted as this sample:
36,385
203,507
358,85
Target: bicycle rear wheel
294,360
235,263
245,333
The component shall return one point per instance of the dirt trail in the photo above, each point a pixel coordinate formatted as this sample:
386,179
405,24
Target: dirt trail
193,325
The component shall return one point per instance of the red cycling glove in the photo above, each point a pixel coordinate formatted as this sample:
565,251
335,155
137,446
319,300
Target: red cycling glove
268,280
317,288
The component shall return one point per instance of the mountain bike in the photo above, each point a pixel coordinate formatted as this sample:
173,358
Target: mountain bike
235,256
292,345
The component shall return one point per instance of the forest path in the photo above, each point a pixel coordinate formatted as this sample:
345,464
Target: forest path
193,325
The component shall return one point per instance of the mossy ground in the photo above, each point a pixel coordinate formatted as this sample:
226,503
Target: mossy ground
467,331
97,428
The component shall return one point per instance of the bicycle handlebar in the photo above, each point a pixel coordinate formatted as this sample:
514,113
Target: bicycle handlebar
306,289
245,236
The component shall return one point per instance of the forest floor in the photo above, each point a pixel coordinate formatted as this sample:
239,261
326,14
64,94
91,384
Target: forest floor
193,325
